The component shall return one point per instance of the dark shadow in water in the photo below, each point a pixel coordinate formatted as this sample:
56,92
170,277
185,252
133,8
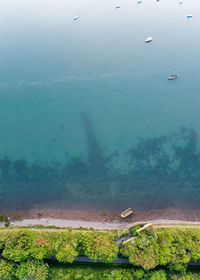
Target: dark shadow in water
95,155
172,157
162,172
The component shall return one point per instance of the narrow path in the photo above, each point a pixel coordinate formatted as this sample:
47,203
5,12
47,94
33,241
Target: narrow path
120,261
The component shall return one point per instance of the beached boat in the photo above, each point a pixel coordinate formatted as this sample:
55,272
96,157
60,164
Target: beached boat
77,17
139,2
189,16
127,213
117,7
173,77
148,40
180,2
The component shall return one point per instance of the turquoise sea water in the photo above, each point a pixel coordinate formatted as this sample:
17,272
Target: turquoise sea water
88,117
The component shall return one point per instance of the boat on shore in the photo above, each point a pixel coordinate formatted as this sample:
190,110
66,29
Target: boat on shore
127,213
117,7
189,16
173,77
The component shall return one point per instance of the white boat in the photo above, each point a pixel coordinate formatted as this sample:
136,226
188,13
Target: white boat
173,77
148,40
181,2
127,213
77,17
189,16
117,7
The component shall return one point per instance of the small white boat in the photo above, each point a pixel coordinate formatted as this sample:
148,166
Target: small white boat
117,7
77,17
189,16
148,40
173,77
127,213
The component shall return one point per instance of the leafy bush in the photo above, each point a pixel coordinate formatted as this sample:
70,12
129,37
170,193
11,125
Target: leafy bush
5,220
6,224
29,270
158,275
17,246
170,248
167,247
1,219
7,270
86,272
98,246
67,248
125,232
133,230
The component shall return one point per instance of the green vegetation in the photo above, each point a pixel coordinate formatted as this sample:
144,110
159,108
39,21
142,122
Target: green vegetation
5,220
98,246
133,231
172,248
19,245
7,270
32,269
85,272
25,252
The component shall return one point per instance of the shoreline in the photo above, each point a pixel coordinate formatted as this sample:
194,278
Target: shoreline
62,223
99,219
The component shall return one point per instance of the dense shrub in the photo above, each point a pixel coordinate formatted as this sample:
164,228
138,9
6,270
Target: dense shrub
7,270
133,230
170,248
33,269
173,248
20,245
158,275
90,273
67,248
17,245
99,247
86,272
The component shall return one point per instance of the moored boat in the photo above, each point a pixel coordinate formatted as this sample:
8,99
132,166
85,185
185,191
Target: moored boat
77,17
148,40
173,77
189,16
127,213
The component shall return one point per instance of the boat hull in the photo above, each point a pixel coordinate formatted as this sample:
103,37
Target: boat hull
172,77
127,213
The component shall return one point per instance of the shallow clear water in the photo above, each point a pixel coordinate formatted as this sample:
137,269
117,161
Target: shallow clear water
88,117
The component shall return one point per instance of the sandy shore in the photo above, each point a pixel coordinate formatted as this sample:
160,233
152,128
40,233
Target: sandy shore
98,219
95,225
